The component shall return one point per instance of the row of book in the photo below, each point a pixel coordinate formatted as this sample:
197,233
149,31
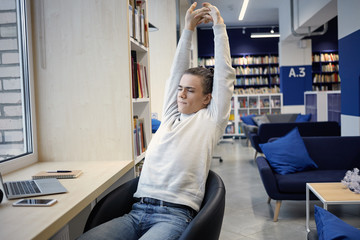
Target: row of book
260,80
247,60
252,81
263,103
138,168
326,57
321,78
230,129
240,70
332,87
330,68
138,22
263,90
140,85
244,60
139,138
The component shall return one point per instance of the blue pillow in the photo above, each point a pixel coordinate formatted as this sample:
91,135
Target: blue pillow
303,118
288,154
331,227
248,119
155,124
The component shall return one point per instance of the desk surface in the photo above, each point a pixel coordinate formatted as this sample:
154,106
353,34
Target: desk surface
334,192
43,222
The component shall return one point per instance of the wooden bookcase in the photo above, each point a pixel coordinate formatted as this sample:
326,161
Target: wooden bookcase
140,82
325,68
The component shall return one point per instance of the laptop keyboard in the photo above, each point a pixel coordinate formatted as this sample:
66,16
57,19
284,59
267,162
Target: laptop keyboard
24,187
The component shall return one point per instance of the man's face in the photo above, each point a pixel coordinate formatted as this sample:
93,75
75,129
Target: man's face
190,98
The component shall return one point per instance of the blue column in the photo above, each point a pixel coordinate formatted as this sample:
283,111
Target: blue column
349,66
294,81
295,71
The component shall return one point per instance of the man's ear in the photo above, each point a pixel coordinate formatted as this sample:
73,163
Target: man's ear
207,99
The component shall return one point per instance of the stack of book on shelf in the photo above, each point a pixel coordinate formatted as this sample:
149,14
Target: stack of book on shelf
138,168
138,22
230,129
259,80
275,103
207,62
264,103
263,90
140,143
140,86
326,78
330,67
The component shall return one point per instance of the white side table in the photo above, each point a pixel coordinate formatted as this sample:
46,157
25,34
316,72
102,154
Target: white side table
329,193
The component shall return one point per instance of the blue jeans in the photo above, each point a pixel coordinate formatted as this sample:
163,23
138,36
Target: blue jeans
145,221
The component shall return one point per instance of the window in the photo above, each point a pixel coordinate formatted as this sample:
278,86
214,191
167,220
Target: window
16,131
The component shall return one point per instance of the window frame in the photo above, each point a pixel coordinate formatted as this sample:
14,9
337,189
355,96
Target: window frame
25,30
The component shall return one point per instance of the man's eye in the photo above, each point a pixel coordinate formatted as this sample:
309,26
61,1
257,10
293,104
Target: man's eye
179,89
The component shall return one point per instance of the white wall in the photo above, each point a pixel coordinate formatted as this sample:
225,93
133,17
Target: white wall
349,17
82,80
306,13
162,47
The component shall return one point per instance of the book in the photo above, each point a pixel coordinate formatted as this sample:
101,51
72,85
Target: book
54,174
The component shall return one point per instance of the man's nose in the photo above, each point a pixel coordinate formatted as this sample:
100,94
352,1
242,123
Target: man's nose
183,93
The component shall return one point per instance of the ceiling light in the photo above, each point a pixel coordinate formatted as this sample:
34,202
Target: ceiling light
264,35
243,31
272,30
243,9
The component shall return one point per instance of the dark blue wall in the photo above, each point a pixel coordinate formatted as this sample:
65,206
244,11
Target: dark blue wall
242,43
328,41
239,43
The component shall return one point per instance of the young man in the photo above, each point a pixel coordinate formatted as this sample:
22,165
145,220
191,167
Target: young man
196,111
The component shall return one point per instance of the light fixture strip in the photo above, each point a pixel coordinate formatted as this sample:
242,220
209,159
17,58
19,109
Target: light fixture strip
243,9
264,35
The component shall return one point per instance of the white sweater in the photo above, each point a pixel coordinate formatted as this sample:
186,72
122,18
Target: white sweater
177,160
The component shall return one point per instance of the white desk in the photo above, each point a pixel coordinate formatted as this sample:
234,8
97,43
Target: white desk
43,222
329,193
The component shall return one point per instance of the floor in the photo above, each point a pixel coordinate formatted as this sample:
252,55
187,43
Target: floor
247,213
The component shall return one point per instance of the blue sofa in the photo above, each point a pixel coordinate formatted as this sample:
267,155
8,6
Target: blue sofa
333,155
267,131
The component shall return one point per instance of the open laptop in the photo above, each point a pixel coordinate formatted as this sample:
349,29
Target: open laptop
31,188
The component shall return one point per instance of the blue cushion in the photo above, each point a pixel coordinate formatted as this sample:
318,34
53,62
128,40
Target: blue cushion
248,119
155,124
288,154
331,227
303,118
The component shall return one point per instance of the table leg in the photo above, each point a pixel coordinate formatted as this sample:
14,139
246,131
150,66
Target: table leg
307,208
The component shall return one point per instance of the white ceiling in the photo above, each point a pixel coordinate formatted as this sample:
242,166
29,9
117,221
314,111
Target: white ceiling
259,12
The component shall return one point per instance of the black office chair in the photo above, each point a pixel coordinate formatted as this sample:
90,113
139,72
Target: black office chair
206,224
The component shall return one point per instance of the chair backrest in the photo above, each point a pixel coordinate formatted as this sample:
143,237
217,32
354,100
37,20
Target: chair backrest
306,129
334,152
207,223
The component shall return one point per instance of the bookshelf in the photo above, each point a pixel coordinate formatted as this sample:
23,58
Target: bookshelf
140,84
252,70
247,104
325,67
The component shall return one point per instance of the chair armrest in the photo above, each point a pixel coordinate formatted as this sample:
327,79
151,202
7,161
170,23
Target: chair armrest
255,140
267,177
207,223
115,204
252,129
